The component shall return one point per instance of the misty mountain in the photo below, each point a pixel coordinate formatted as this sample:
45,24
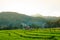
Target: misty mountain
15,19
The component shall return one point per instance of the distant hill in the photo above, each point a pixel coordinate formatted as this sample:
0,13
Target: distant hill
13,19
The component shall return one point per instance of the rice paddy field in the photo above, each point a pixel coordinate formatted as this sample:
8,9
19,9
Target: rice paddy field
33,34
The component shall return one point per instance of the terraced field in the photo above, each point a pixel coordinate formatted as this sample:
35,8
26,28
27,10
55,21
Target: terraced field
35,34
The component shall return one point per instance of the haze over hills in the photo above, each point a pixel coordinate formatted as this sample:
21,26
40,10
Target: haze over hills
13,19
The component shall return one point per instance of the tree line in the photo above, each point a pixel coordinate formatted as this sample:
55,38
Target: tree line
49,24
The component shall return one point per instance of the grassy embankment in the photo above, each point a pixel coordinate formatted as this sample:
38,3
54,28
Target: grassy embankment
35,34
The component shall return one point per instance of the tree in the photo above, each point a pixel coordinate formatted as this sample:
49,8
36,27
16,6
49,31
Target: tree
34,26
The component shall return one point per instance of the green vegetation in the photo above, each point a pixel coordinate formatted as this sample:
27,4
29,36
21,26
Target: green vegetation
13,20
14,26
34,34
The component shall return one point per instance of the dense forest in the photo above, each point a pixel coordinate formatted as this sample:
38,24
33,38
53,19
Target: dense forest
14,20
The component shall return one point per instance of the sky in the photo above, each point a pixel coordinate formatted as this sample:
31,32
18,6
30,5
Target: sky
32,7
